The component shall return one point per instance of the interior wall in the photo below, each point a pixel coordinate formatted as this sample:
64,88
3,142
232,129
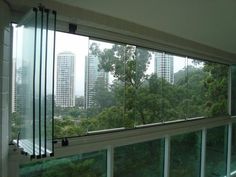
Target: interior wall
5,58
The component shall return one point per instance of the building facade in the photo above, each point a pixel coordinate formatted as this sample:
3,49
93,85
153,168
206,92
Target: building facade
65,86
164,66
93,77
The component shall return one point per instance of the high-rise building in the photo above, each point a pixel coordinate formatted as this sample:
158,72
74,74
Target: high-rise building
65,91
164,66
93,77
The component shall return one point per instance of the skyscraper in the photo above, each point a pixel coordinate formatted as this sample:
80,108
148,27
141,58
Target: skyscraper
65,91
164,66
93,76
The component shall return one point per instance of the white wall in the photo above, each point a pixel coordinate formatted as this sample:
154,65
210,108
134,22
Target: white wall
5,56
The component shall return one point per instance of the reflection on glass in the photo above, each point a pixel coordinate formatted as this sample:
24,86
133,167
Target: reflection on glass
216,152
185,155
139,160
90,164
233,153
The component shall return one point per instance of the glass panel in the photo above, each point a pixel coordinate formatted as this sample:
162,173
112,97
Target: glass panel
233,154
130,81
24,80
43,78
216,85
104,91
174,93
148,88
49,81
70,114
98,85
139,160
17,85
37,87
185,155
216,152
233,90
89,164
196,90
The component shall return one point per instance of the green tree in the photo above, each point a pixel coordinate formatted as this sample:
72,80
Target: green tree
128,65
216,84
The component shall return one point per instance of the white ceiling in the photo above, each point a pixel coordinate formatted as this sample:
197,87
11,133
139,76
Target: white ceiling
210,22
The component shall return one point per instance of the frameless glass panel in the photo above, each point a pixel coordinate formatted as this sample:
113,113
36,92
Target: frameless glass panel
89,164
216,85
173,71
130,81
139,160
148,88
43,78
233,90
48,81
93,85
233,153
162,95
104,89
70,113
216,152
196,89
17,87
185,155
37,83
24,80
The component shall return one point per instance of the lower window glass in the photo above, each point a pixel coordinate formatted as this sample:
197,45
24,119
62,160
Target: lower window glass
139,160
216,152
89,165
233,155
185,155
